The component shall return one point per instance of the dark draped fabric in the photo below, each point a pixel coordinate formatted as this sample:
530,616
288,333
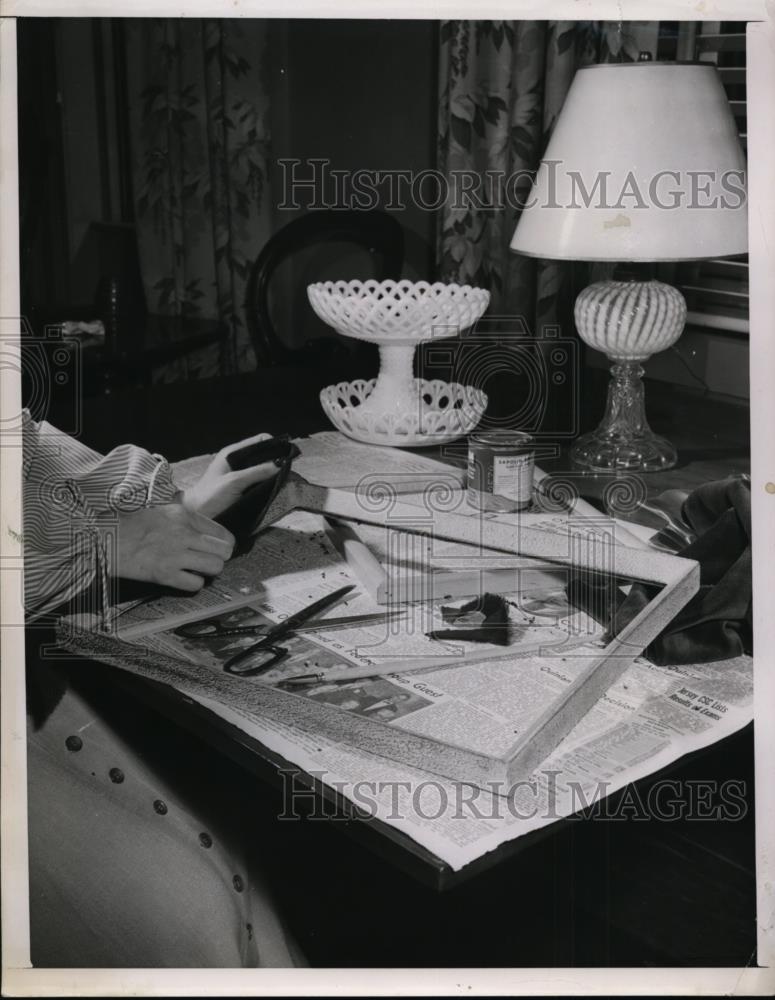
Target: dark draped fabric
502,85
717,623
199,130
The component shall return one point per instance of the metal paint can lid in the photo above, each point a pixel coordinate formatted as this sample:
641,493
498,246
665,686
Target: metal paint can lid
501,440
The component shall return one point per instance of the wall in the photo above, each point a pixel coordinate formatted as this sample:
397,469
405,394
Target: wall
358,93
720,362
96,162
361,94
44,247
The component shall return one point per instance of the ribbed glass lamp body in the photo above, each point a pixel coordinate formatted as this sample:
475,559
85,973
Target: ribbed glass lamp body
630,320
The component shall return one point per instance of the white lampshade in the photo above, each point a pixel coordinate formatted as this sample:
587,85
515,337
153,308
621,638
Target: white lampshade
659,141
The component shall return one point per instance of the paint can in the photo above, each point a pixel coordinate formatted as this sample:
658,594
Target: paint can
501,466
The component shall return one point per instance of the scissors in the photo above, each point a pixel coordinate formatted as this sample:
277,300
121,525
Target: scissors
214,627
302,621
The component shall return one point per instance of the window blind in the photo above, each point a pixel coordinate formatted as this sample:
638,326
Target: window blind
716,291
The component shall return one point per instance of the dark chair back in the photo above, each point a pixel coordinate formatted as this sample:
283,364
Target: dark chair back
375,231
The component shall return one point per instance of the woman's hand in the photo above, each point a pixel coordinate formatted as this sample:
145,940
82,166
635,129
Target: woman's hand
171,546
220,487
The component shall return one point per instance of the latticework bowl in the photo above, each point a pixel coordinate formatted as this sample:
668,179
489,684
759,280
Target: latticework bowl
392,312
397,408
442,412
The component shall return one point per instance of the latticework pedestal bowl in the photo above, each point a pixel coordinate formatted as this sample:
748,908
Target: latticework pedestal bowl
396,408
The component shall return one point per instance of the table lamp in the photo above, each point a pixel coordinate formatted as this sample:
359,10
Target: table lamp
644,165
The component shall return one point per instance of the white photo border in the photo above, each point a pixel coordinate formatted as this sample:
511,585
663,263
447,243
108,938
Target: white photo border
19,979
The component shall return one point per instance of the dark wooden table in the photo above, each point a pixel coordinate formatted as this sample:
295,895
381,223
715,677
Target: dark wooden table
186,418
606,891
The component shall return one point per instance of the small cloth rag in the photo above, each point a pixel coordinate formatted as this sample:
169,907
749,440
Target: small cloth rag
717,623
485,619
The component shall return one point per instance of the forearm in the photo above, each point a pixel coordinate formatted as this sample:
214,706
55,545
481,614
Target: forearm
89,517
73,501
54,579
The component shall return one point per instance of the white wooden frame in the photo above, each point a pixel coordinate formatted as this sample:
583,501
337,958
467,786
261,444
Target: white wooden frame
677,578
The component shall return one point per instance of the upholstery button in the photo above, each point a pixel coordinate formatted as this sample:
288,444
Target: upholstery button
238,884
160,807
205,840
73,743
116,775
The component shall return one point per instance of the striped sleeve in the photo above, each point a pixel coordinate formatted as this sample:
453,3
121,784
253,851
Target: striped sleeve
72,498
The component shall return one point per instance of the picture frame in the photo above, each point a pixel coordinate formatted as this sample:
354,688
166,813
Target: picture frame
584,548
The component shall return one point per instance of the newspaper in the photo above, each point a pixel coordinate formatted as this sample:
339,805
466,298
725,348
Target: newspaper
649,719
334,460
646,721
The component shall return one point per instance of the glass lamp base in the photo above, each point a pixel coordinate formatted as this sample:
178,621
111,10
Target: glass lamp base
624,440
600,453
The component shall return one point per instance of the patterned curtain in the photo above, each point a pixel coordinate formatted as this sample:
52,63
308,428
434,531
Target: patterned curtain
200,142
502,85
